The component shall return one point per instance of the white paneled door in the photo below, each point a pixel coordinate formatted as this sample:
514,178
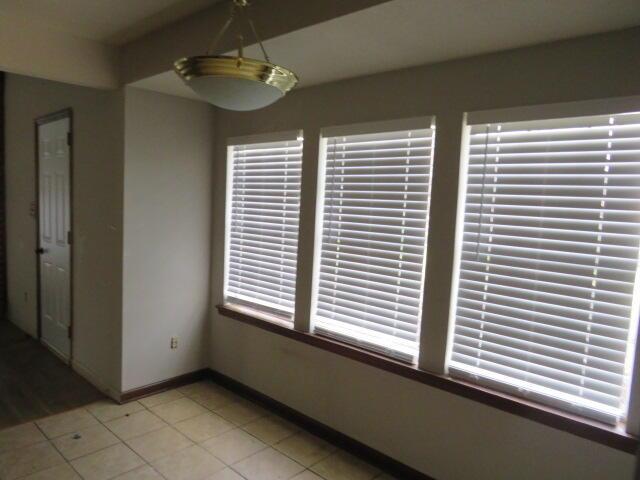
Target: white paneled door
54,247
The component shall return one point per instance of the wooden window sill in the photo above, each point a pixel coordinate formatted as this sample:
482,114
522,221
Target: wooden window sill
613,437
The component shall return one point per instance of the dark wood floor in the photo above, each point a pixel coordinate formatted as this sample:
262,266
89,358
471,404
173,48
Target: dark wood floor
33,382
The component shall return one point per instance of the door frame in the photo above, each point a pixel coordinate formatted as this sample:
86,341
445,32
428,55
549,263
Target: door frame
38,122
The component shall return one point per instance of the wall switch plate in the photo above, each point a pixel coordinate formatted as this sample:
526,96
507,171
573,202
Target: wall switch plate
174,343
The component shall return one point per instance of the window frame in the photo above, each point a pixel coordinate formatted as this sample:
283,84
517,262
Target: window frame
429,370
609,106
267,314
365,128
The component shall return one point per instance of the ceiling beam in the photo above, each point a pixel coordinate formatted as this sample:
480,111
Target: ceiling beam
156,52
33,48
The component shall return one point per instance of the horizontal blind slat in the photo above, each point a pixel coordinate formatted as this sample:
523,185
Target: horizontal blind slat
547,273
374,223
264,208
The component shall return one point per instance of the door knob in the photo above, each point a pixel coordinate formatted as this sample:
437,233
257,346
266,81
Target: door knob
40,250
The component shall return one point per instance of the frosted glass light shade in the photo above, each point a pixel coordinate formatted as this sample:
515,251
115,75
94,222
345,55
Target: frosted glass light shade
234,83
235,93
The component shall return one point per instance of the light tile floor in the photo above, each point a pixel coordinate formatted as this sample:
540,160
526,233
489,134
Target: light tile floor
197,432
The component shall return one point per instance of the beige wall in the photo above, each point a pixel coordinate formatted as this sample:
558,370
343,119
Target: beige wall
141,223
447,437
50,54
97,216
167,236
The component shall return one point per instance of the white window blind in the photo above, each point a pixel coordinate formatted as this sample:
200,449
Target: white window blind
370,271
546,305
263,206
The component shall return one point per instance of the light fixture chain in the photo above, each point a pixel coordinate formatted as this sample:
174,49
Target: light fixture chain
222,31
255,34
238,4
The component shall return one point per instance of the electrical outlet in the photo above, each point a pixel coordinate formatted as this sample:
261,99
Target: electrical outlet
174,343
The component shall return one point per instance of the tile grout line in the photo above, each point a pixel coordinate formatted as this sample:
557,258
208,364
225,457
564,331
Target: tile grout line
233,399
301,430
272,446
242,428
101,423
121,441
267,446
51,442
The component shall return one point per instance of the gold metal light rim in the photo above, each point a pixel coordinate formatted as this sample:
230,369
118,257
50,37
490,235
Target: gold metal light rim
234,67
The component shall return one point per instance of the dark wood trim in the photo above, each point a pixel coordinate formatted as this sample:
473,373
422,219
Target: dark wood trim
375,457
168,384
581,427
43,120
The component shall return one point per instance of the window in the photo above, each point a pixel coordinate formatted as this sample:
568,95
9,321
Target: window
263,206
546,302
374,215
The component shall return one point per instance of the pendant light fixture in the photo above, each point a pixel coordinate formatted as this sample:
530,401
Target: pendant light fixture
236,83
